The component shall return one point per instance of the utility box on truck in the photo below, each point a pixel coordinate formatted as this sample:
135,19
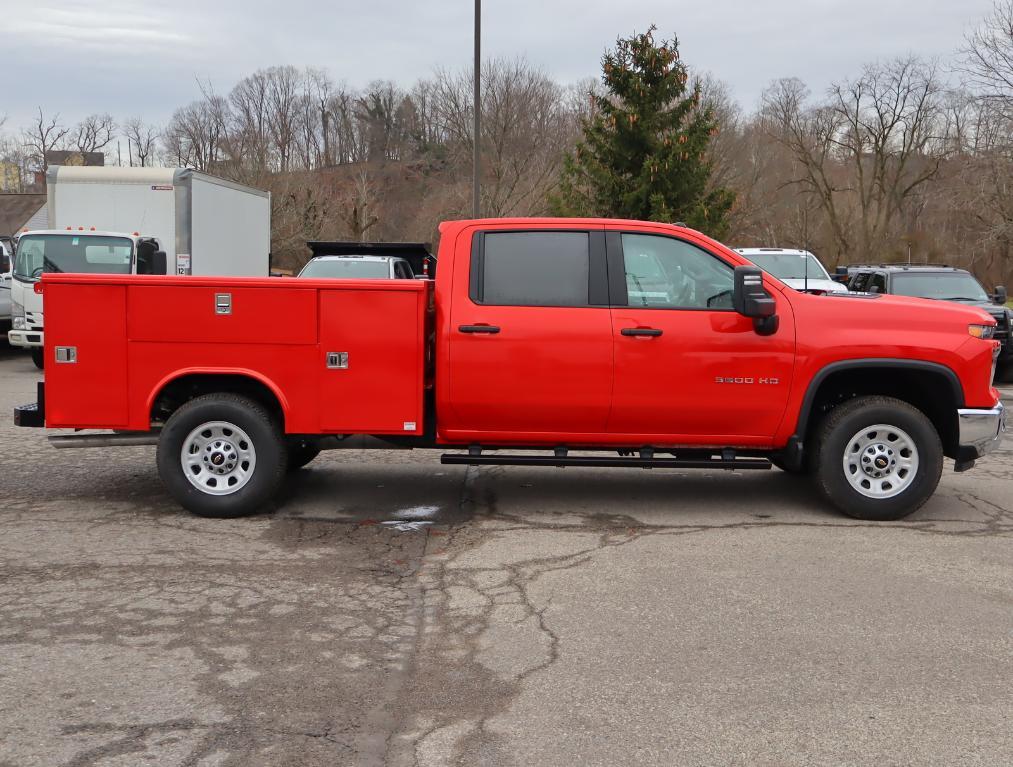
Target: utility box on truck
206,225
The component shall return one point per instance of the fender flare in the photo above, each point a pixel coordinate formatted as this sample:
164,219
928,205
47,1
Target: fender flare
824,372
235,372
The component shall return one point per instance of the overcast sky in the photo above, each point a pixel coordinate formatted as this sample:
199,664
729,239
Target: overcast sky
140,57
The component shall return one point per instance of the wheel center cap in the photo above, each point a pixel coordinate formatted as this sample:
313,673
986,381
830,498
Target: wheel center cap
217,459
882,463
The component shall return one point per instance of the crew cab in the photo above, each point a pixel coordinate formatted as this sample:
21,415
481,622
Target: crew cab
549,342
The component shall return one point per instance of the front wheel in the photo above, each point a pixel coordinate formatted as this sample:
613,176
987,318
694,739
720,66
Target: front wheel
39,357
877,458
222,455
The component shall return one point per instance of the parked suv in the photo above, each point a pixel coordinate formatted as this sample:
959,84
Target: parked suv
943,283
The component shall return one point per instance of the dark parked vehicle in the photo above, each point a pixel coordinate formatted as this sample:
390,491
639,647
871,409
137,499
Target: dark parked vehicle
943,283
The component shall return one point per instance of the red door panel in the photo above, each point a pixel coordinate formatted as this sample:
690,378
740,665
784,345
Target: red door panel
709,374
382,332
91,392
548,369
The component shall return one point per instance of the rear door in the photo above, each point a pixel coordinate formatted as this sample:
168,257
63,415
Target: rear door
530,337
688,368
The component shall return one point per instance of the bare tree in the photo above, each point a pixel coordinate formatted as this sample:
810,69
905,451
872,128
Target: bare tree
143,139
93,133
988,57
43,137
867,151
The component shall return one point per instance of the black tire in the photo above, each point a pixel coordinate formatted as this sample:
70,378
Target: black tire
300,453
832,440
39,357
268,468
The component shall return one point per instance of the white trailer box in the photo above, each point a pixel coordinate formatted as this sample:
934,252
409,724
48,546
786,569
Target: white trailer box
205,225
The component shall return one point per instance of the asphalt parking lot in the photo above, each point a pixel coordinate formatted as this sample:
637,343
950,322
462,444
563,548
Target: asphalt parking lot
396,611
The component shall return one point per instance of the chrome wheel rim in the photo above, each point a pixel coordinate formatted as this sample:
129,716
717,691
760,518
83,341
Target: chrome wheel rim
880,461
218,458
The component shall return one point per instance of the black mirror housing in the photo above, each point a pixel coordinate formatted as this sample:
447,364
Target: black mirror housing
5,263
1001,296
158,262
749,297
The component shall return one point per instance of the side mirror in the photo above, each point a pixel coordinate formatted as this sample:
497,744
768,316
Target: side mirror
5,263
1001,297
158,262
751,299
150,261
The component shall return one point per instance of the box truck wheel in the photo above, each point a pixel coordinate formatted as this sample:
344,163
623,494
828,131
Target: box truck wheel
222,455
877,458
39,357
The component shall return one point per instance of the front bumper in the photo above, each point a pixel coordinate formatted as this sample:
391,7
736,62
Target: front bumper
25,338
981,431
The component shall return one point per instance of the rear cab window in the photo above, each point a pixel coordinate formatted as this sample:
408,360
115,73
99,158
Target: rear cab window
538,268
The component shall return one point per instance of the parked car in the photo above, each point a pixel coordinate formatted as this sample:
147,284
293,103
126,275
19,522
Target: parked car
537,343
797,269
942,283
6,262
357,268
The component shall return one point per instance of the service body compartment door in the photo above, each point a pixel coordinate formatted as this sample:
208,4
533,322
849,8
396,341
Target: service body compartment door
86,386
371,362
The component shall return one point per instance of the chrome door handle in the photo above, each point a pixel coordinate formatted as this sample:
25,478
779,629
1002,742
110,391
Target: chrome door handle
653,332
478,329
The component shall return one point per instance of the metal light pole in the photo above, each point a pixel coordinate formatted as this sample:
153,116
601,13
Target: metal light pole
476,163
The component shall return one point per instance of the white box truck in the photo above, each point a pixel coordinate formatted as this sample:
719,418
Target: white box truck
105,219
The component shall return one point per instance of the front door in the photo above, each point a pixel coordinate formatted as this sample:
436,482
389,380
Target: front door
530,337
687,366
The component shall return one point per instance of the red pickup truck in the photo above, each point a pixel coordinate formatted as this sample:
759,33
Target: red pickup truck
555,342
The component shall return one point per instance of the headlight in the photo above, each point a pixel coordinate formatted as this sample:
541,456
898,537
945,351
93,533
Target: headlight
981,331
18,315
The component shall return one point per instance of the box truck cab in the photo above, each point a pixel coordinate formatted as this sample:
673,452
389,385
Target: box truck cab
51,251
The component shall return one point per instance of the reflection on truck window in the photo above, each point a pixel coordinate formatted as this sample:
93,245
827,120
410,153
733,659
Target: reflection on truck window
46,253
790,266
664,273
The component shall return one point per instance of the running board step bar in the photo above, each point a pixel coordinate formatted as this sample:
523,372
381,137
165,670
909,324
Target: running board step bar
602,461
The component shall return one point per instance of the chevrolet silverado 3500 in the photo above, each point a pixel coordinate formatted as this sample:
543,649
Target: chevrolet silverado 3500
555,342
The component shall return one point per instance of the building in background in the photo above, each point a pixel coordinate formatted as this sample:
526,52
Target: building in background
22,211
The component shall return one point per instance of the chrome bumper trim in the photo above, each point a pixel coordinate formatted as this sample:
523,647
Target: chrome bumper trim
982,431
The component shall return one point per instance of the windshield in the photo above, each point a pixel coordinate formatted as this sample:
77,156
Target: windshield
82,254
946,286
346,268
789,266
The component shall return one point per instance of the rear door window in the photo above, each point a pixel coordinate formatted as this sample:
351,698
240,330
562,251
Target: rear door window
531,269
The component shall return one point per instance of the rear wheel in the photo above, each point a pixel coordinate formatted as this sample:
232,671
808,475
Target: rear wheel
222,455
39,357
877,458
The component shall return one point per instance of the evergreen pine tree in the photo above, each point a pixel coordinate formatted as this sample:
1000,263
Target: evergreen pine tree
643,152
